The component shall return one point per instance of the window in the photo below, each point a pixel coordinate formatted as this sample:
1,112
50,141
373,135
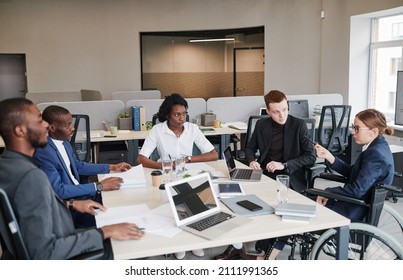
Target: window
386,60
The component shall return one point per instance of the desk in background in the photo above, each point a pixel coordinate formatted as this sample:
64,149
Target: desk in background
132,138
262,227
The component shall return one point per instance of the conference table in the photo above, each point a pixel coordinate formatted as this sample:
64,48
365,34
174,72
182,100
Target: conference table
261,227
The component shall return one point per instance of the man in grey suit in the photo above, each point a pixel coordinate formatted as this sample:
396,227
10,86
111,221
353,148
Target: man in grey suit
45,221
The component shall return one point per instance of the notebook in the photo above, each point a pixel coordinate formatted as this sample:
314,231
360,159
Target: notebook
240,174
194,202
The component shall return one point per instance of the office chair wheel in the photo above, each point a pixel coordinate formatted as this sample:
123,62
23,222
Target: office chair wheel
366,242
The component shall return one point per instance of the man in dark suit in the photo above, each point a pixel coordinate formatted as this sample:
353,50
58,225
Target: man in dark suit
63,168
282,141
284,148
44,219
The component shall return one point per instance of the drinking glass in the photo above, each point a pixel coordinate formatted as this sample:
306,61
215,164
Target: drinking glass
167,170
283,182
180,167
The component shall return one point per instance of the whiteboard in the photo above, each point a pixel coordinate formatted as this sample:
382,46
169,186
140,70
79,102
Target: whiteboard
399,99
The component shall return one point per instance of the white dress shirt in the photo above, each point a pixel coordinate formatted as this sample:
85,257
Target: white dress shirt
170,146
63,153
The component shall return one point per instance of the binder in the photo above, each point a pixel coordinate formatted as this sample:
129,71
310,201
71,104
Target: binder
142,118
136,118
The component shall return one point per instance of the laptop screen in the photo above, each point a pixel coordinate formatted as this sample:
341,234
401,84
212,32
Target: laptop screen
192,198
229,160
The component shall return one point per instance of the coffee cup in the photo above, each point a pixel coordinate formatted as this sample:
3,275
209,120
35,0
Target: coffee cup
113,130
216,123
156,178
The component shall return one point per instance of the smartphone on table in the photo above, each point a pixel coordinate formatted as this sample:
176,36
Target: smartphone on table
249,205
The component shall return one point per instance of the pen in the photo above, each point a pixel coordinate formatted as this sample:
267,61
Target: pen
309,139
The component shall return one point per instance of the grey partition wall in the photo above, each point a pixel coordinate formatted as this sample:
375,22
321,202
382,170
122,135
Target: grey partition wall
126,96
196,106
238,108
53,96
99,111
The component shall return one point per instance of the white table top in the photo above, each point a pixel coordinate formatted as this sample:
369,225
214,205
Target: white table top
262,227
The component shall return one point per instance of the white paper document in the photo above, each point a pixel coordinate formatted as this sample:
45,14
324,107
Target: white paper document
237,125
132,178
141,215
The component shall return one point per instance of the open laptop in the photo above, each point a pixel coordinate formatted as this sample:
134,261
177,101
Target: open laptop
240,174
194,204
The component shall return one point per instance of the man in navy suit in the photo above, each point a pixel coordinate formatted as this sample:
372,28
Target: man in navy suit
63,168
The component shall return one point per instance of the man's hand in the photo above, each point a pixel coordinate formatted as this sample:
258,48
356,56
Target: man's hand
274,165
254,165
119,167
111,183
321,200
123,231
87,206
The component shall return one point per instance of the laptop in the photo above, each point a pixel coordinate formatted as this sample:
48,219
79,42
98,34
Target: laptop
194,204
240,174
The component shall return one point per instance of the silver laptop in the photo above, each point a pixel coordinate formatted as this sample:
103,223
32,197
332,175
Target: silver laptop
240,174
196,208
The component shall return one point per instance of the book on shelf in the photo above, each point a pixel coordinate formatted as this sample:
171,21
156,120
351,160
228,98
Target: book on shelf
136,118
296,209
143,126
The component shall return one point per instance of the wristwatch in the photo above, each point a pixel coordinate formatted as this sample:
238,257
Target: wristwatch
286,168
99,187
71,204
189,158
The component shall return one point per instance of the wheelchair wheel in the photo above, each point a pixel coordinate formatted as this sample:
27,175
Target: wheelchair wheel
366,242
391,222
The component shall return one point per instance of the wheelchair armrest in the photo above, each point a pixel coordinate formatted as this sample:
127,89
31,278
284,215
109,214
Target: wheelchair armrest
339,197
391,188
93,255
333,177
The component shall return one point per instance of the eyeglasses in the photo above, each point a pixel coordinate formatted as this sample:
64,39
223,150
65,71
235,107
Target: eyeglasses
357,129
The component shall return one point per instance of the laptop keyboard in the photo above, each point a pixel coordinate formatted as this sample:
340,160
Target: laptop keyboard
210,221
243,173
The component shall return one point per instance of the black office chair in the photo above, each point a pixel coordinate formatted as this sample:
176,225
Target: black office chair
81,139
251,127
11,241
333,128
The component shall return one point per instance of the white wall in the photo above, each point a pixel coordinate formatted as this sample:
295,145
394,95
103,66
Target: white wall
72,44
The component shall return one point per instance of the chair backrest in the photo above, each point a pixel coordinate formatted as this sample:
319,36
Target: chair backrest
12,244
377,199
90,95
311,125
333,129
251,126
81,139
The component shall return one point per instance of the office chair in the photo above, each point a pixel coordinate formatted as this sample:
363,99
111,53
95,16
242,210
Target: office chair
90,95
12,244
81,144
251,127
333,129
379,219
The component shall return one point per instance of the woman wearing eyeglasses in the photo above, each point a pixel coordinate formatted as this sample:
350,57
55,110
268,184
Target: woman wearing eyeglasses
374,165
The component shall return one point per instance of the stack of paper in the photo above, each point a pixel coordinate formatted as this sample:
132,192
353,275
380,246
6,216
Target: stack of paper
296,212
132,178
237,125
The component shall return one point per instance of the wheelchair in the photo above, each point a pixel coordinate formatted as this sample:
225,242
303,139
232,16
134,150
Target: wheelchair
379,236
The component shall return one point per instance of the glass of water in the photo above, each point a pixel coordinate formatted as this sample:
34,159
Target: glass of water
167,170
283,182
180,167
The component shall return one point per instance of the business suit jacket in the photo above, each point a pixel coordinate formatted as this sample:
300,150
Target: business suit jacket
297,150
52,163
44,220
373,166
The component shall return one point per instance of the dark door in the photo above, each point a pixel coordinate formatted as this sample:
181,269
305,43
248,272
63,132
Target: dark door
13,79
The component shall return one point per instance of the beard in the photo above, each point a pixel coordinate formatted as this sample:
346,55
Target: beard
36,141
